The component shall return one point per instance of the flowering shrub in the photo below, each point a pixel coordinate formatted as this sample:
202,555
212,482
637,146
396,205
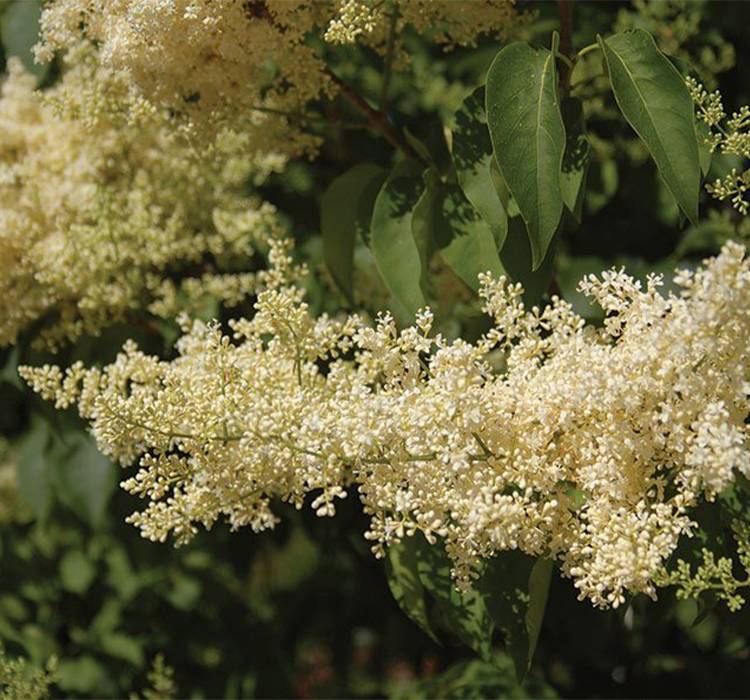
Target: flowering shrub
502,413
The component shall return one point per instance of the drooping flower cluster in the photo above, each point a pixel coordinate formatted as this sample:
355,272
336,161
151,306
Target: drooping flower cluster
100,215
247,65
590,445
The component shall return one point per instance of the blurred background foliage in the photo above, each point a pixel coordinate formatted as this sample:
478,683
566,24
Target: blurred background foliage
305,611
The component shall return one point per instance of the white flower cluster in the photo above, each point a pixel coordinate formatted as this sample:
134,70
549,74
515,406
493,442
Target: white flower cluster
98,213
589,445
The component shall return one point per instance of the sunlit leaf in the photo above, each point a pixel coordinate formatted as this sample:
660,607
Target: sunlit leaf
528,137
392,242
403,580
653,97
474,161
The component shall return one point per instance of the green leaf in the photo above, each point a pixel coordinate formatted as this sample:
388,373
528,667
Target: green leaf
9,371
394,248
84,478
464,239
123,647
602,182
653,98
82,675
19,30
185,591
539,582
576,157
345,211
465,614
474,162
403,580
34,481
515,588
76,571
473,678
516,259
528,136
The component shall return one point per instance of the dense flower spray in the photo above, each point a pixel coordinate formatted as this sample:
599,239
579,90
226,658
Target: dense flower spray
101,213
249,65
590,445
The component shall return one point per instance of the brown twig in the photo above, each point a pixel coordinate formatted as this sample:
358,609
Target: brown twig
376,119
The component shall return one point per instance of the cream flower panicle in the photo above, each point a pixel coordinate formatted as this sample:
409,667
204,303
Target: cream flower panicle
101,214
592,446
248,65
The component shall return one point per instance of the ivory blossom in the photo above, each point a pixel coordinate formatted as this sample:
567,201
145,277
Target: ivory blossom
587,444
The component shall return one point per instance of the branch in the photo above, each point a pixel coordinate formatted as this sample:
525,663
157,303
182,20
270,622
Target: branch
376,119
566,42
388,71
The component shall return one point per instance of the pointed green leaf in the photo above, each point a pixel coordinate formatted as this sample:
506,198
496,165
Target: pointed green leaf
403,580
393,246
516,259
652,96
463,238
465,614
84,478
515,587
474,163
523,113
576,157
539,582
424,216
345,211
33,469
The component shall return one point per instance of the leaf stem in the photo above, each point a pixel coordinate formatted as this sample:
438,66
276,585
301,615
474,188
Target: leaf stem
587,49
565,52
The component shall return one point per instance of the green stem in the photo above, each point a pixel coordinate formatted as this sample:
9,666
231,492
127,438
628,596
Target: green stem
587,49
565,49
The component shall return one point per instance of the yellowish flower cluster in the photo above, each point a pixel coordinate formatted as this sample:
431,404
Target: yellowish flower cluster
248,65
589,445
95,212
712,574
214,64
450,22
731,136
